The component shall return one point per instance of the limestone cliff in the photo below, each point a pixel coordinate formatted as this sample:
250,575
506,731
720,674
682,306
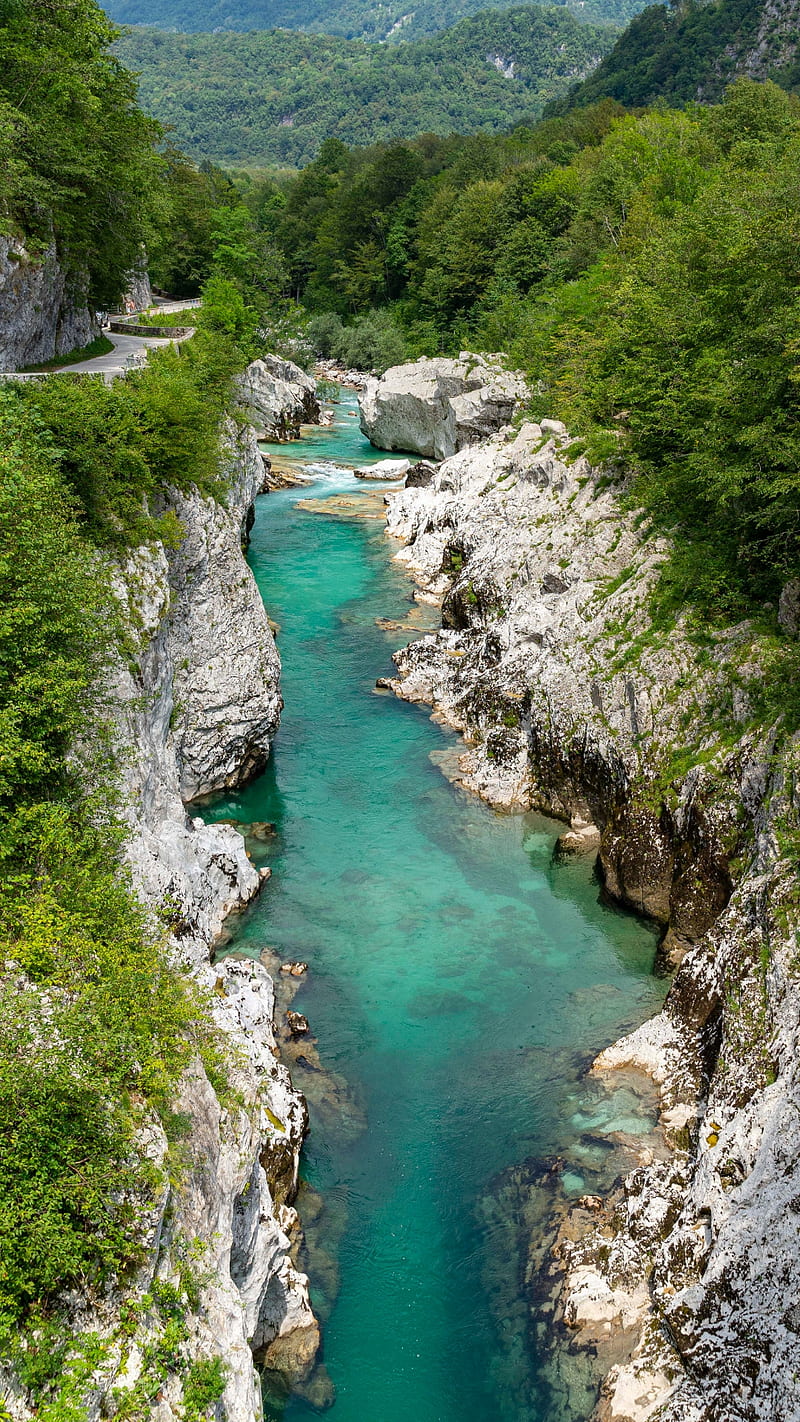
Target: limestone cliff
200,703
279,396
194,701
43,311
648,740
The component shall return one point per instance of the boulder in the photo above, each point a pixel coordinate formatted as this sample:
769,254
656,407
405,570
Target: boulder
279,396
420,474
387,469
435,407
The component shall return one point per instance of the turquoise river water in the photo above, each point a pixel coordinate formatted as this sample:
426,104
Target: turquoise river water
459,982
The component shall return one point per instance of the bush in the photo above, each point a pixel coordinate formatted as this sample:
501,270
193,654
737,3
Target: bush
203,1386
325,332
372,343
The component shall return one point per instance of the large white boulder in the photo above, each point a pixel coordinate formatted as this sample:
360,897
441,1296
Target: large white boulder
279,396
435,407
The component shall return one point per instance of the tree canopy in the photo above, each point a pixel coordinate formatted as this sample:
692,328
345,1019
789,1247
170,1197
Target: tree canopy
76,152
276,97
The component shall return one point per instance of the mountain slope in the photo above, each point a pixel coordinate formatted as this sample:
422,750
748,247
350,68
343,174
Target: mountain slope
275,96
352,19
695,50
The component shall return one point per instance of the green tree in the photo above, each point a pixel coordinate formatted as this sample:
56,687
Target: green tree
79,158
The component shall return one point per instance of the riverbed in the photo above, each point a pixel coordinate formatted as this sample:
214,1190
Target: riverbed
460,980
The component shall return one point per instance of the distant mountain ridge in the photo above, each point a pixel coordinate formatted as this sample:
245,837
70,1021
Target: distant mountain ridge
693,50
274,97
391,20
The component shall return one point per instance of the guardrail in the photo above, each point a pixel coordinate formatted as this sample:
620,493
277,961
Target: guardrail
169,333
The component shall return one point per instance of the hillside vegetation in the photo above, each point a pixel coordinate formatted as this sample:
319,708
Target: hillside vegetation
76,156
390,20
275,97
95,1025
644,271
693,50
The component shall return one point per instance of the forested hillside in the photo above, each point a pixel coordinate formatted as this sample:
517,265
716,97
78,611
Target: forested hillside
354,19
693,50
275,97
77,156
642,270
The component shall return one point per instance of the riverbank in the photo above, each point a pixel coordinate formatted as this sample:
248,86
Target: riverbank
647,741
182,702
458,983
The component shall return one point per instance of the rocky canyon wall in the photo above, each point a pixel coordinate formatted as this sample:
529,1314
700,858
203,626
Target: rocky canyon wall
201,703
43,311
646,738
193,703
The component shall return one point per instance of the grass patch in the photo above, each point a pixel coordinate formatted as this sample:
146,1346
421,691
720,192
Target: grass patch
100,346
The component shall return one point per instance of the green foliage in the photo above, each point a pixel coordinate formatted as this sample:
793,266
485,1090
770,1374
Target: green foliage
373,342
679,53
643,270
438,223
202,1387
95,1026
276,96
355,19
76,154
181,249
117,445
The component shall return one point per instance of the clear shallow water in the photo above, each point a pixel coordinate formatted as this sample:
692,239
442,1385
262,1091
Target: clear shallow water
459,982
328,453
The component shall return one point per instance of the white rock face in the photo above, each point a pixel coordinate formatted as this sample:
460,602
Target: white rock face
279,396
436,407
203,702
198,706
572,702
387,469
42,313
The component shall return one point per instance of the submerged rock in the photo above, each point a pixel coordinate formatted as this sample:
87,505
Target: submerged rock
437,406
580,838
297,1023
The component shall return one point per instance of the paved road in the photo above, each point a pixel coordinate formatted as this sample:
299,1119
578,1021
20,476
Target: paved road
127,353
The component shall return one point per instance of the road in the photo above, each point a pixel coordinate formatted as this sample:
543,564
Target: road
127,354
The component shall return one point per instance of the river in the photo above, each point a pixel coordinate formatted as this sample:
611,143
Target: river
460,981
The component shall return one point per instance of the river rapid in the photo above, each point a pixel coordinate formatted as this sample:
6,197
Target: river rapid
459,982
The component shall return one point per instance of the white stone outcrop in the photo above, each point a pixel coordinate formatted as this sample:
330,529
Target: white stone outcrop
572,701
435,407
201,702
198,701
387,469
279,396
43,311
